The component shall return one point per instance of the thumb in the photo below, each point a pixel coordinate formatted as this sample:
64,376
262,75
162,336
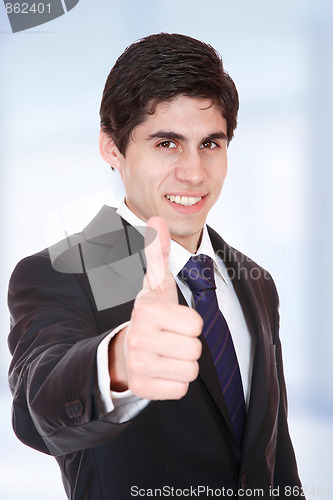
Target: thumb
157,249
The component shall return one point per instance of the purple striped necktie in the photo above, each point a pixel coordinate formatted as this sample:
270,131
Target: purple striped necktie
198,274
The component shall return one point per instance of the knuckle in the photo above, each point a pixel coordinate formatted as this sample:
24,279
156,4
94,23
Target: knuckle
140,309
196,322
196,348
193,349
199,322
179,390
193,371
134,342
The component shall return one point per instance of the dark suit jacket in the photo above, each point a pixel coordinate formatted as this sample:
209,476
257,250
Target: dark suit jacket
56,327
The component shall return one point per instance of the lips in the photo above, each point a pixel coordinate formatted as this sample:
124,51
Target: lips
185,201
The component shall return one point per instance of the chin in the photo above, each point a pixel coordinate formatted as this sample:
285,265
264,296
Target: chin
183,232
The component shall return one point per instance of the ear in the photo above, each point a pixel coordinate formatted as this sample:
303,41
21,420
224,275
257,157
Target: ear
109,151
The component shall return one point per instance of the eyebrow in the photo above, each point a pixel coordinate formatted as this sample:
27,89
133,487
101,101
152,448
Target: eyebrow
169,135
164,134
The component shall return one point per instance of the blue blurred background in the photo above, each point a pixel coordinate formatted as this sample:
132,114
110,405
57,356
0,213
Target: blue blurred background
276,205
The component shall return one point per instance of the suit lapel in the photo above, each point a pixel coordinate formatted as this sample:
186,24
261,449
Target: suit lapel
238,269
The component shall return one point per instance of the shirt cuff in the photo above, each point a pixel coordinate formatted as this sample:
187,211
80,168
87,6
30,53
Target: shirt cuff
116,407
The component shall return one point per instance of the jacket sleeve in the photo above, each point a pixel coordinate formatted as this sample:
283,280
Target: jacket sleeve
53,341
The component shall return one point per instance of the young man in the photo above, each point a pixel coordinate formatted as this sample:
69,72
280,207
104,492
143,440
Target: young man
134,392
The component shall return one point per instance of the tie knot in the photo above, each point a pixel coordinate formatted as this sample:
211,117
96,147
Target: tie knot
198,273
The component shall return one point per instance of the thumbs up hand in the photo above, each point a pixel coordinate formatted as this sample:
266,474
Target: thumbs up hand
156,356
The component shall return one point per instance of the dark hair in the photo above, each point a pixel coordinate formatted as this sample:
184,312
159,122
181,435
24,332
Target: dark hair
157,68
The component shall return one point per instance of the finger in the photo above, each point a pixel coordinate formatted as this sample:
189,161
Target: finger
158,389
161,316
157,251
176,370
168,345
151,366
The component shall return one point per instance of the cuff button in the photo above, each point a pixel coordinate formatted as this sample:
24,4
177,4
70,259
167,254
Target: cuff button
74,409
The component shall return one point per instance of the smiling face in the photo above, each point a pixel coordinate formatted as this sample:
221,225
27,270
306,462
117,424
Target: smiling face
175,165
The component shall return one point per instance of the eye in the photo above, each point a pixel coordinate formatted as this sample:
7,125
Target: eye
209,145
167,145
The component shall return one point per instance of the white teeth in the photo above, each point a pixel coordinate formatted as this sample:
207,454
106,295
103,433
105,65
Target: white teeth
186,201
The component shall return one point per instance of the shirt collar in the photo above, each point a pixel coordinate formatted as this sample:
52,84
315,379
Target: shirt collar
131,218
178,254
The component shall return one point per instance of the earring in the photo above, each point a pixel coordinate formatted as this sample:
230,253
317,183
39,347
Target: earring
112,168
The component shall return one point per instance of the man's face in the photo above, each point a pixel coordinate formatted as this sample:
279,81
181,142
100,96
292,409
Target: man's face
175,166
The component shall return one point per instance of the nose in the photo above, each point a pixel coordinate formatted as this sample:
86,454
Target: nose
190,168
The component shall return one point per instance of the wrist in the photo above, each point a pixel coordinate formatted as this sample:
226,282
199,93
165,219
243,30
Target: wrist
117,362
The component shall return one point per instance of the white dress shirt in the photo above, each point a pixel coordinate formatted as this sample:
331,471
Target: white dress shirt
119,407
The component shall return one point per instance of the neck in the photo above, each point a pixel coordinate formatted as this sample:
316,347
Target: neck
190,243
